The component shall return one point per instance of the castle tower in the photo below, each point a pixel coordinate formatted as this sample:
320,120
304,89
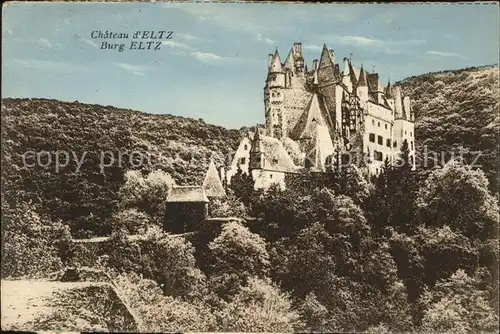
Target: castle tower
298,56
276,122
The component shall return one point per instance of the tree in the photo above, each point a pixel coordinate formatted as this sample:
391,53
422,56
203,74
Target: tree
459,196
159,313
29,242
242,185
458,305
173,265
147,194
131,220
259,307
237,254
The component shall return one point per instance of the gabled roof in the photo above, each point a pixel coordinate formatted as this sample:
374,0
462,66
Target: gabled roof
186,194
306,125
212,183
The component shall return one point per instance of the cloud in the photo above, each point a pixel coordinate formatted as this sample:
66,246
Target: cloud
134,69
44,42
444,54
261,38
390,51
48,65
92,43
373,42
206,57
177,45
359,40
313,47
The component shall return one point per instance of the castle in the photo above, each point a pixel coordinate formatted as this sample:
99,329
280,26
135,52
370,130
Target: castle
313,116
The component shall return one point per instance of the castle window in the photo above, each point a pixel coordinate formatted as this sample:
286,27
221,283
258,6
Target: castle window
395,143
242,161
411,134
378,156
371,137
388,142
405,131
246,147
373,122
270,176
411,144
378,124
380,140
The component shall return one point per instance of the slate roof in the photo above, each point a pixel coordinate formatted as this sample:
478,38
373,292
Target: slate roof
275,63
305,126
212,183
321,147
187,194
276,157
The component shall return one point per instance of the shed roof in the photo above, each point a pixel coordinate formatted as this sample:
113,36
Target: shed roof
187,194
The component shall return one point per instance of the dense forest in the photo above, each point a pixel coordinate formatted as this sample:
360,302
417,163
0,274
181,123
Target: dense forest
409,251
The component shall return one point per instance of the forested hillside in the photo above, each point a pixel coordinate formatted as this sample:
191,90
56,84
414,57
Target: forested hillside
407,251
86,197
456,109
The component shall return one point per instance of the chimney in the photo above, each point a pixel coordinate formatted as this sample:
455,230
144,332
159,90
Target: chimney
270,60
315,64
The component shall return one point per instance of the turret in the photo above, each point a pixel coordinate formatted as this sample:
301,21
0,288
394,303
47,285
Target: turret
276,75
362,88
345,75
406,108
256,152
275,66
398,103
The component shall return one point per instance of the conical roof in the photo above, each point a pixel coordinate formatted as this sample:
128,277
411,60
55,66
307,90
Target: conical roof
276,66
290,61
212,183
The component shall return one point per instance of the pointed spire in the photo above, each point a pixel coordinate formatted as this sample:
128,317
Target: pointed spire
362,77
276,66
325,59
388,90
290,61
352,75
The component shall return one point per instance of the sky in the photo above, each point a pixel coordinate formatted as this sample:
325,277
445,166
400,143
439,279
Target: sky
214,65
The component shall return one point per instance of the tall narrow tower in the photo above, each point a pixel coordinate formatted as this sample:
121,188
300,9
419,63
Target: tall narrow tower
276,123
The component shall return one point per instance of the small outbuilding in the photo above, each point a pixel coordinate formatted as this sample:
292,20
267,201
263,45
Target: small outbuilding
186,209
